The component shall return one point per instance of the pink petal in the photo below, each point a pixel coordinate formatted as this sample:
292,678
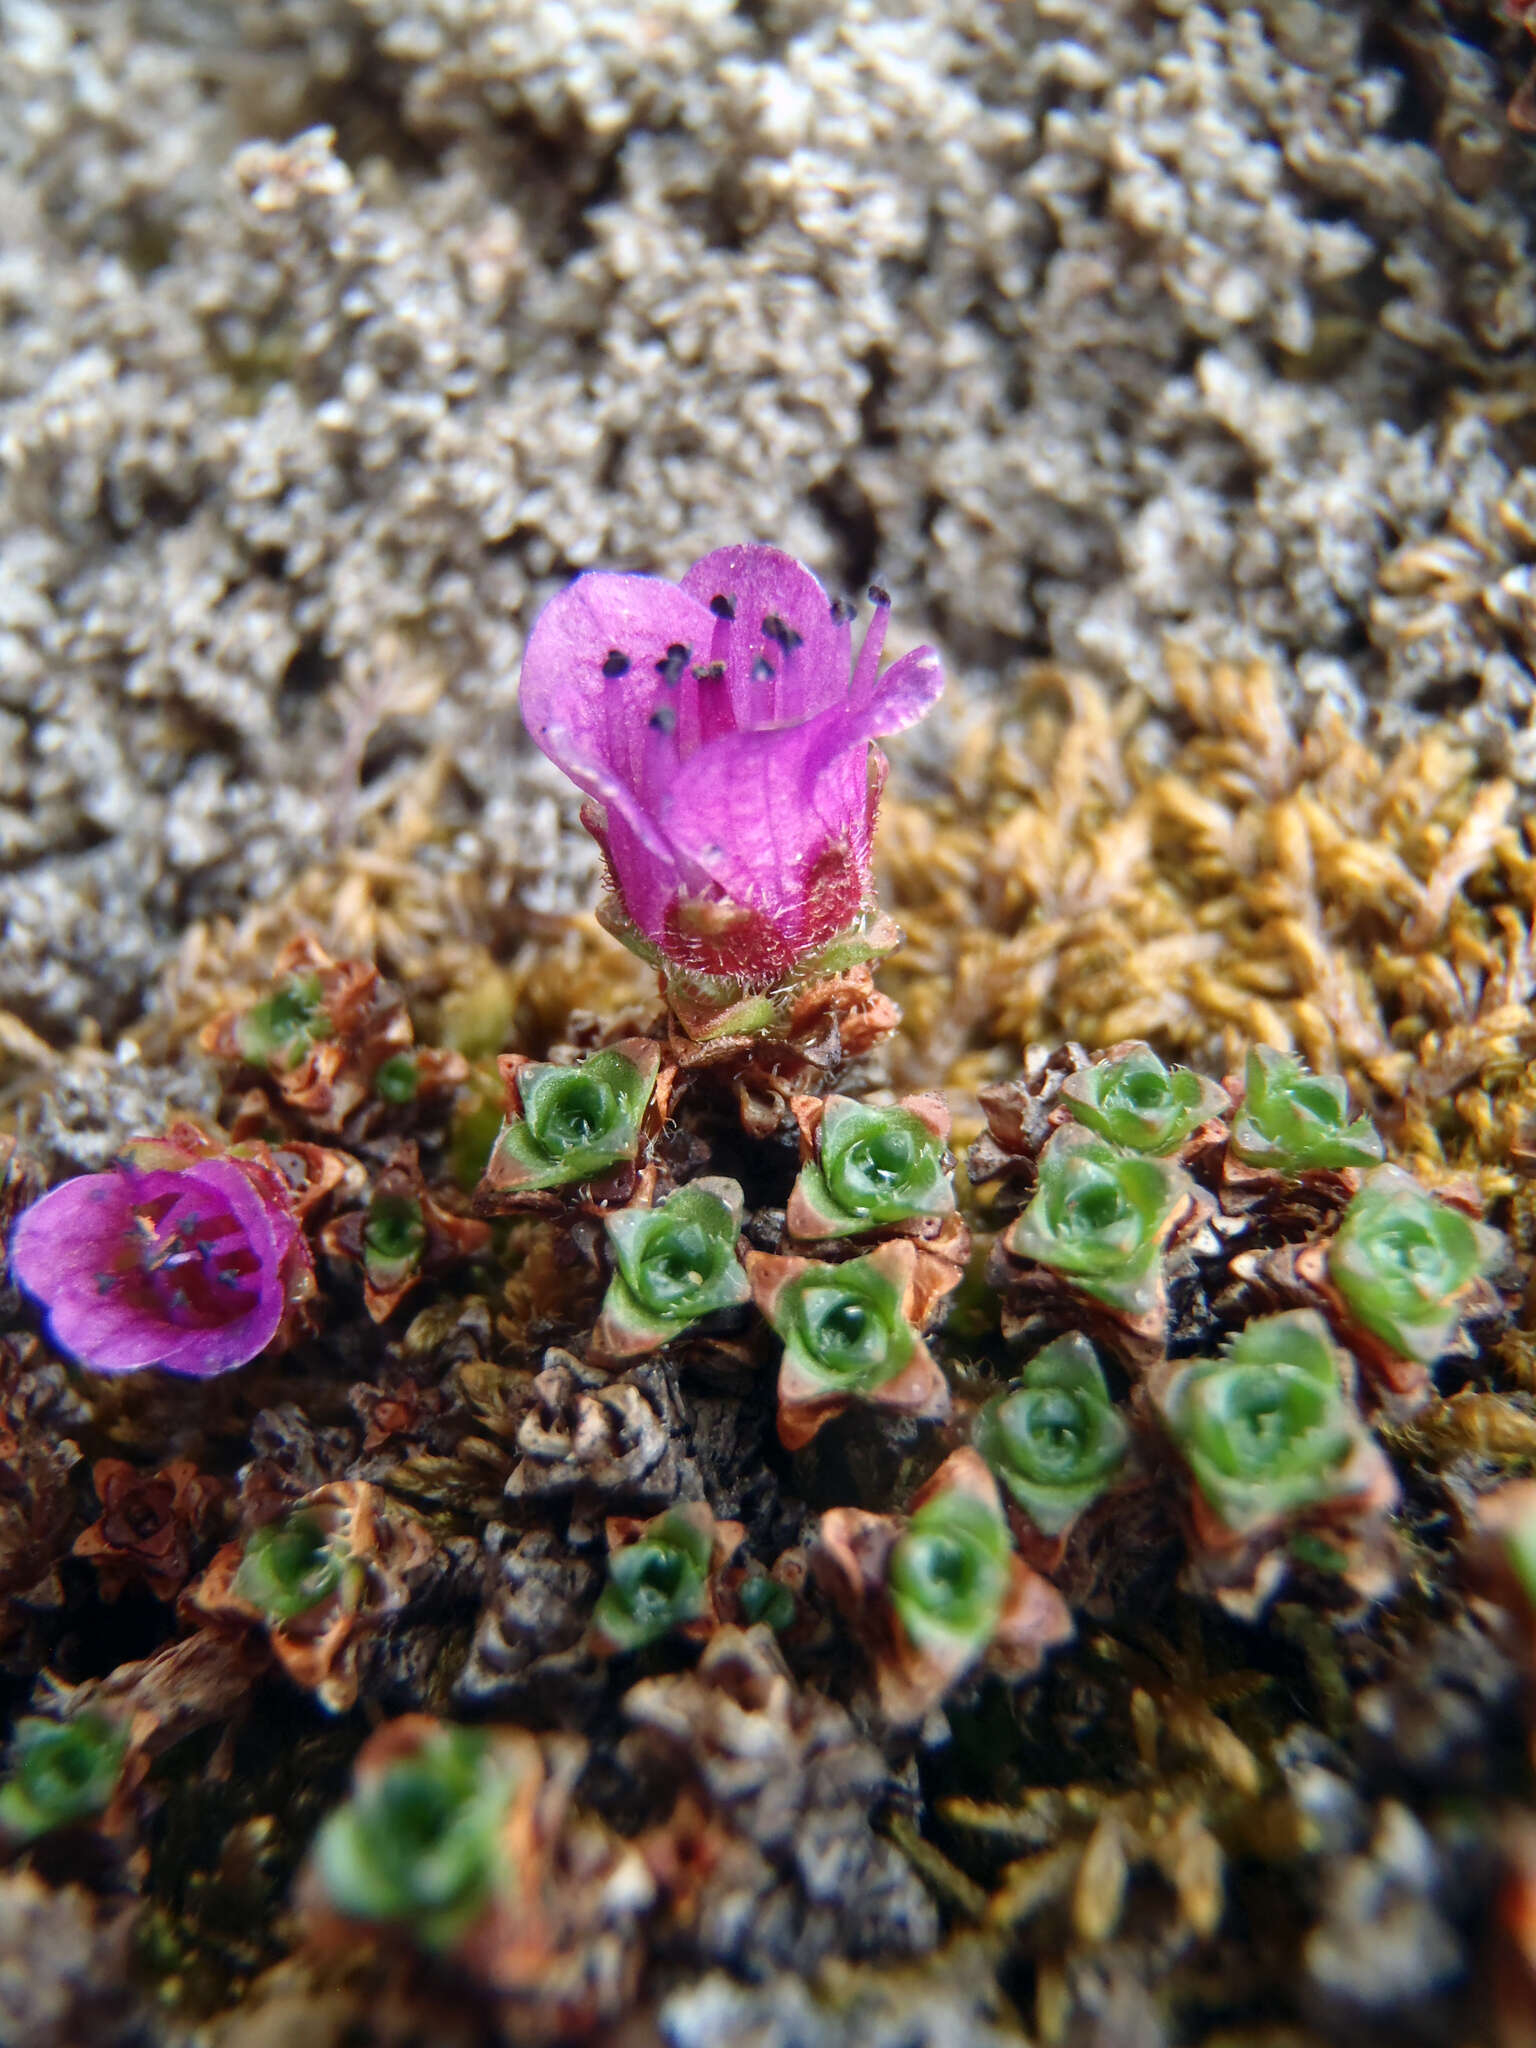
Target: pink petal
595,726
758,811
65,1244
907,691
762,584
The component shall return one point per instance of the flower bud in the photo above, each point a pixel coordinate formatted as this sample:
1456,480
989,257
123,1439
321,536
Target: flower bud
281,1030
847,1338
949,1574
291,1566
1267,1429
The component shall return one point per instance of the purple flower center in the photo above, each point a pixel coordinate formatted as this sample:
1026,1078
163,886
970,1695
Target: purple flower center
190,1261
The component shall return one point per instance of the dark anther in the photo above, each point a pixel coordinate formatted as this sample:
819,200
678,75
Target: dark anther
616,665
775,628
710,671
663,719
878,594
722,606
762,671
670,668
843,609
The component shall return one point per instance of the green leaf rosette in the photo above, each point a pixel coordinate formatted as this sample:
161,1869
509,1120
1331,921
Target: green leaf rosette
675,1264
1055,1439
1268,1429
873,1166
577,1122
62,1772
656,1584
1136,1102
420,1844
394,1239
949,1574
1292,1119
281,1031
289,1567
847,1338
1405,1263
1100,1217
844,1327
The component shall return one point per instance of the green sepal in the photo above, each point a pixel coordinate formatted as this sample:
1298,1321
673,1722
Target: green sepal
656,1583
949,1573
1139,1103
1292,1119
1054,1438
1267,1429
716,1006
61,1772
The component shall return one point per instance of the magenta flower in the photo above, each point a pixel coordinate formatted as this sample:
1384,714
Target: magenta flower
191,1267
723,729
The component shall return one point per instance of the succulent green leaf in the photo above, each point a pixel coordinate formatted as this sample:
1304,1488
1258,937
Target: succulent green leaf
844,1327
1404,1263
282,1029
1267,1429
420,1845
677,1263
394,1238
949,1573
1055,1439
290,1566
577,1122
1100,1216
1139,1103
476,1125
655,1584
874,1166
1520,1549
397,1079
61,1772
1293,1119
766,1600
